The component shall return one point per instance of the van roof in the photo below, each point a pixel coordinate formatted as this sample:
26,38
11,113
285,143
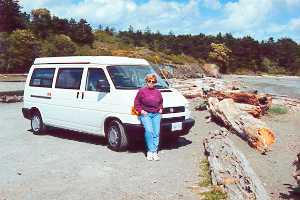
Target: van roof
106,60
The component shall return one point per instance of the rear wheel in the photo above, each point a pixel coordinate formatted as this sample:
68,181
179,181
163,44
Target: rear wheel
37,124
116,136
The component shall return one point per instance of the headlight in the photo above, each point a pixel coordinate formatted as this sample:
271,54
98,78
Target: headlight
187,111
186,107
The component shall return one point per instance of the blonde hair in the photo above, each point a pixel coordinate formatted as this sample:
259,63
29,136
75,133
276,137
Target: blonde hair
149,77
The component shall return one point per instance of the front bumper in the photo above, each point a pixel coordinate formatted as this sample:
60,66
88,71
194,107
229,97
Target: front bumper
136,131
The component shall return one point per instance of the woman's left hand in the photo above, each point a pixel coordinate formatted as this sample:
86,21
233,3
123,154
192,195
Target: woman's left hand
160,111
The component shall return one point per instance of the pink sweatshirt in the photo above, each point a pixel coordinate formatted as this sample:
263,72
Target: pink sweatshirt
148,99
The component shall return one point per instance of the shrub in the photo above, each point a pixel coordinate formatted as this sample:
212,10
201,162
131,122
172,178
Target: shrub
278,109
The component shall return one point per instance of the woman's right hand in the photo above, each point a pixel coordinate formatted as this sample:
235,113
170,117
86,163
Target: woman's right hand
144,112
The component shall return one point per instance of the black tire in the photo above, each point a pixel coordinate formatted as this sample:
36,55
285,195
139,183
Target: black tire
37,124
116,136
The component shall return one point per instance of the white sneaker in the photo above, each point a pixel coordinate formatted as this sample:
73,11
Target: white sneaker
155,156
149,156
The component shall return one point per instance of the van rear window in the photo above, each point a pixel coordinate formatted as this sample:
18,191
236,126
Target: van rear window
42,77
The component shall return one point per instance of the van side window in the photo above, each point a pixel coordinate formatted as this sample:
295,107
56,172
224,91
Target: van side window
69,78
95,76
42,77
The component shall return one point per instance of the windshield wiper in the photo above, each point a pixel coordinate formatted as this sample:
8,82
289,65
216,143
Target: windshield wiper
160,87
127,88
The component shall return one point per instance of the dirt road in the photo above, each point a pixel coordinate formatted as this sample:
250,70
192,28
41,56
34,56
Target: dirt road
68,165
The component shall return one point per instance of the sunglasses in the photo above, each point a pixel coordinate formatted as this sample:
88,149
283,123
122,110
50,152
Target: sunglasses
150,81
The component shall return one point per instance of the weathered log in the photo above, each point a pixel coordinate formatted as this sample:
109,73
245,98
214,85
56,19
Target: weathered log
192,93
245,125
296,174
230,169
10,99
262,100
255,111
211,70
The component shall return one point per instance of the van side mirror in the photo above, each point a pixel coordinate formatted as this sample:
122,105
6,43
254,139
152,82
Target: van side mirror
102,86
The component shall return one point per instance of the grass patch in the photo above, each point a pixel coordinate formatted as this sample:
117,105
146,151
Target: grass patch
12,77
214,193
205,174
278,109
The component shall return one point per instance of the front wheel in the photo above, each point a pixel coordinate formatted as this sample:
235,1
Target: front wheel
116,136
37,125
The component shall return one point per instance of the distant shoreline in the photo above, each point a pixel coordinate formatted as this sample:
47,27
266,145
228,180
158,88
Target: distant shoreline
263,76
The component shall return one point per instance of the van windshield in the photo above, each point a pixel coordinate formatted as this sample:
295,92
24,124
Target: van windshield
133,77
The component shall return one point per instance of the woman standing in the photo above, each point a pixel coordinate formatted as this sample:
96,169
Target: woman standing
149,103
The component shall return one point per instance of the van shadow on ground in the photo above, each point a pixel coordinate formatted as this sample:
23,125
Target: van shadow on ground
293,193
134,147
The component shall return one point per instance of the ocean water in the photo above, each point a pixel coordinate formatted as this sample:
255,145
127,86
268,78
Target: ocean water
284,85
11,86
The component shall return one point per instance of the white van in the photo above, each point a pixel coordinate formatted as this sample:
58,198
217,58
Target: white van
95,94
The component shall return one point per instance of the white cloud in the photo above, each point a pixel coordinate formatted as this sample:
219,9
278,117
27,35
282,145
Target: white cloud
165,16
212,4
241,18
258,18
247,14
293,3
294,25
156,14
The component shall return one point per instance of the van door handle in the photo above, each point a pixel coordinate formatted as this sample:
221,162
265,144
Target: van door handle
82,95
77,95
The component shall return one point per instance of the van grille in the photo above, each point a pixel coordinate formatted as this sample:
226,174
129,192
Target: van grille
173,109
172,119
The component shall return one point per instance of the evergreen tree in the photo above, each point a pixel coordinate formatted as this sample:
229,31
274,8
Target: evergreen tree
11,17
82,32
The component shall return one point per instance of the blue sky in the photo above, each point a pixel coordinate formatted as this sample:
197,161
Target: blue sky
260,19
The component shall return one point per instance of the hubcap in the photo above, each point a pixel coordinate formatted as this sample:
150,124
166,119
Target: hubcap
113,136
36,123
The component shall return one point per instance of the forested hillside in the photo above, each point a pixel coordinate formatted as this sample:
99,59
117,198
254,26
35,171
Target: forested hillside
25,36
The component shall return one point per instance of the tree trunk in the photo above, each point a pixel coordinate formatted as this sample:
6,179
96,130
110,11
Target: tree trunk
245,125
230,169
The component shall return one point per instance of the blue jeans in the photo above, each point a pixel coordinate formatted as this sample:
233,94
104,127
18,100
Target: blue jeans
151,123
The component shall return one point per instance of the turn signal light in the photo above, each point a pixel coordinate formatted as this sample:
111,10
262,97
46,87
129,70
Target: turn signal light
134,111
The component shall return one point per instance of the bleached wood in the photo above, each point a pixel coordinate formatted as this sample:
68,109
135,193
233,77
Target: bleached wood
230,168
242,123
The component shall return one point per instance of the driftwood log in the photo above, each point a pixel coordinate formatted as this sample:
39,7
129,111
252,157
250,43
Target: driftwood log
10,99
242,123
255,111
296,174
262,100
230,169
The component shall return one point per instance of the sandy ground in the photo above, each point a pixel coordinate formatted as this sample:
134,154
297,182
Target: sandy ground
67,165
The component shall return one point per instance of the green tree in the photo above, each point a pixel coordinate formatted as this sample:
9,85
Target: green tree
82,32
287,53
220,55
41,22
58,45
11,17
3,51
23,48
60,26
